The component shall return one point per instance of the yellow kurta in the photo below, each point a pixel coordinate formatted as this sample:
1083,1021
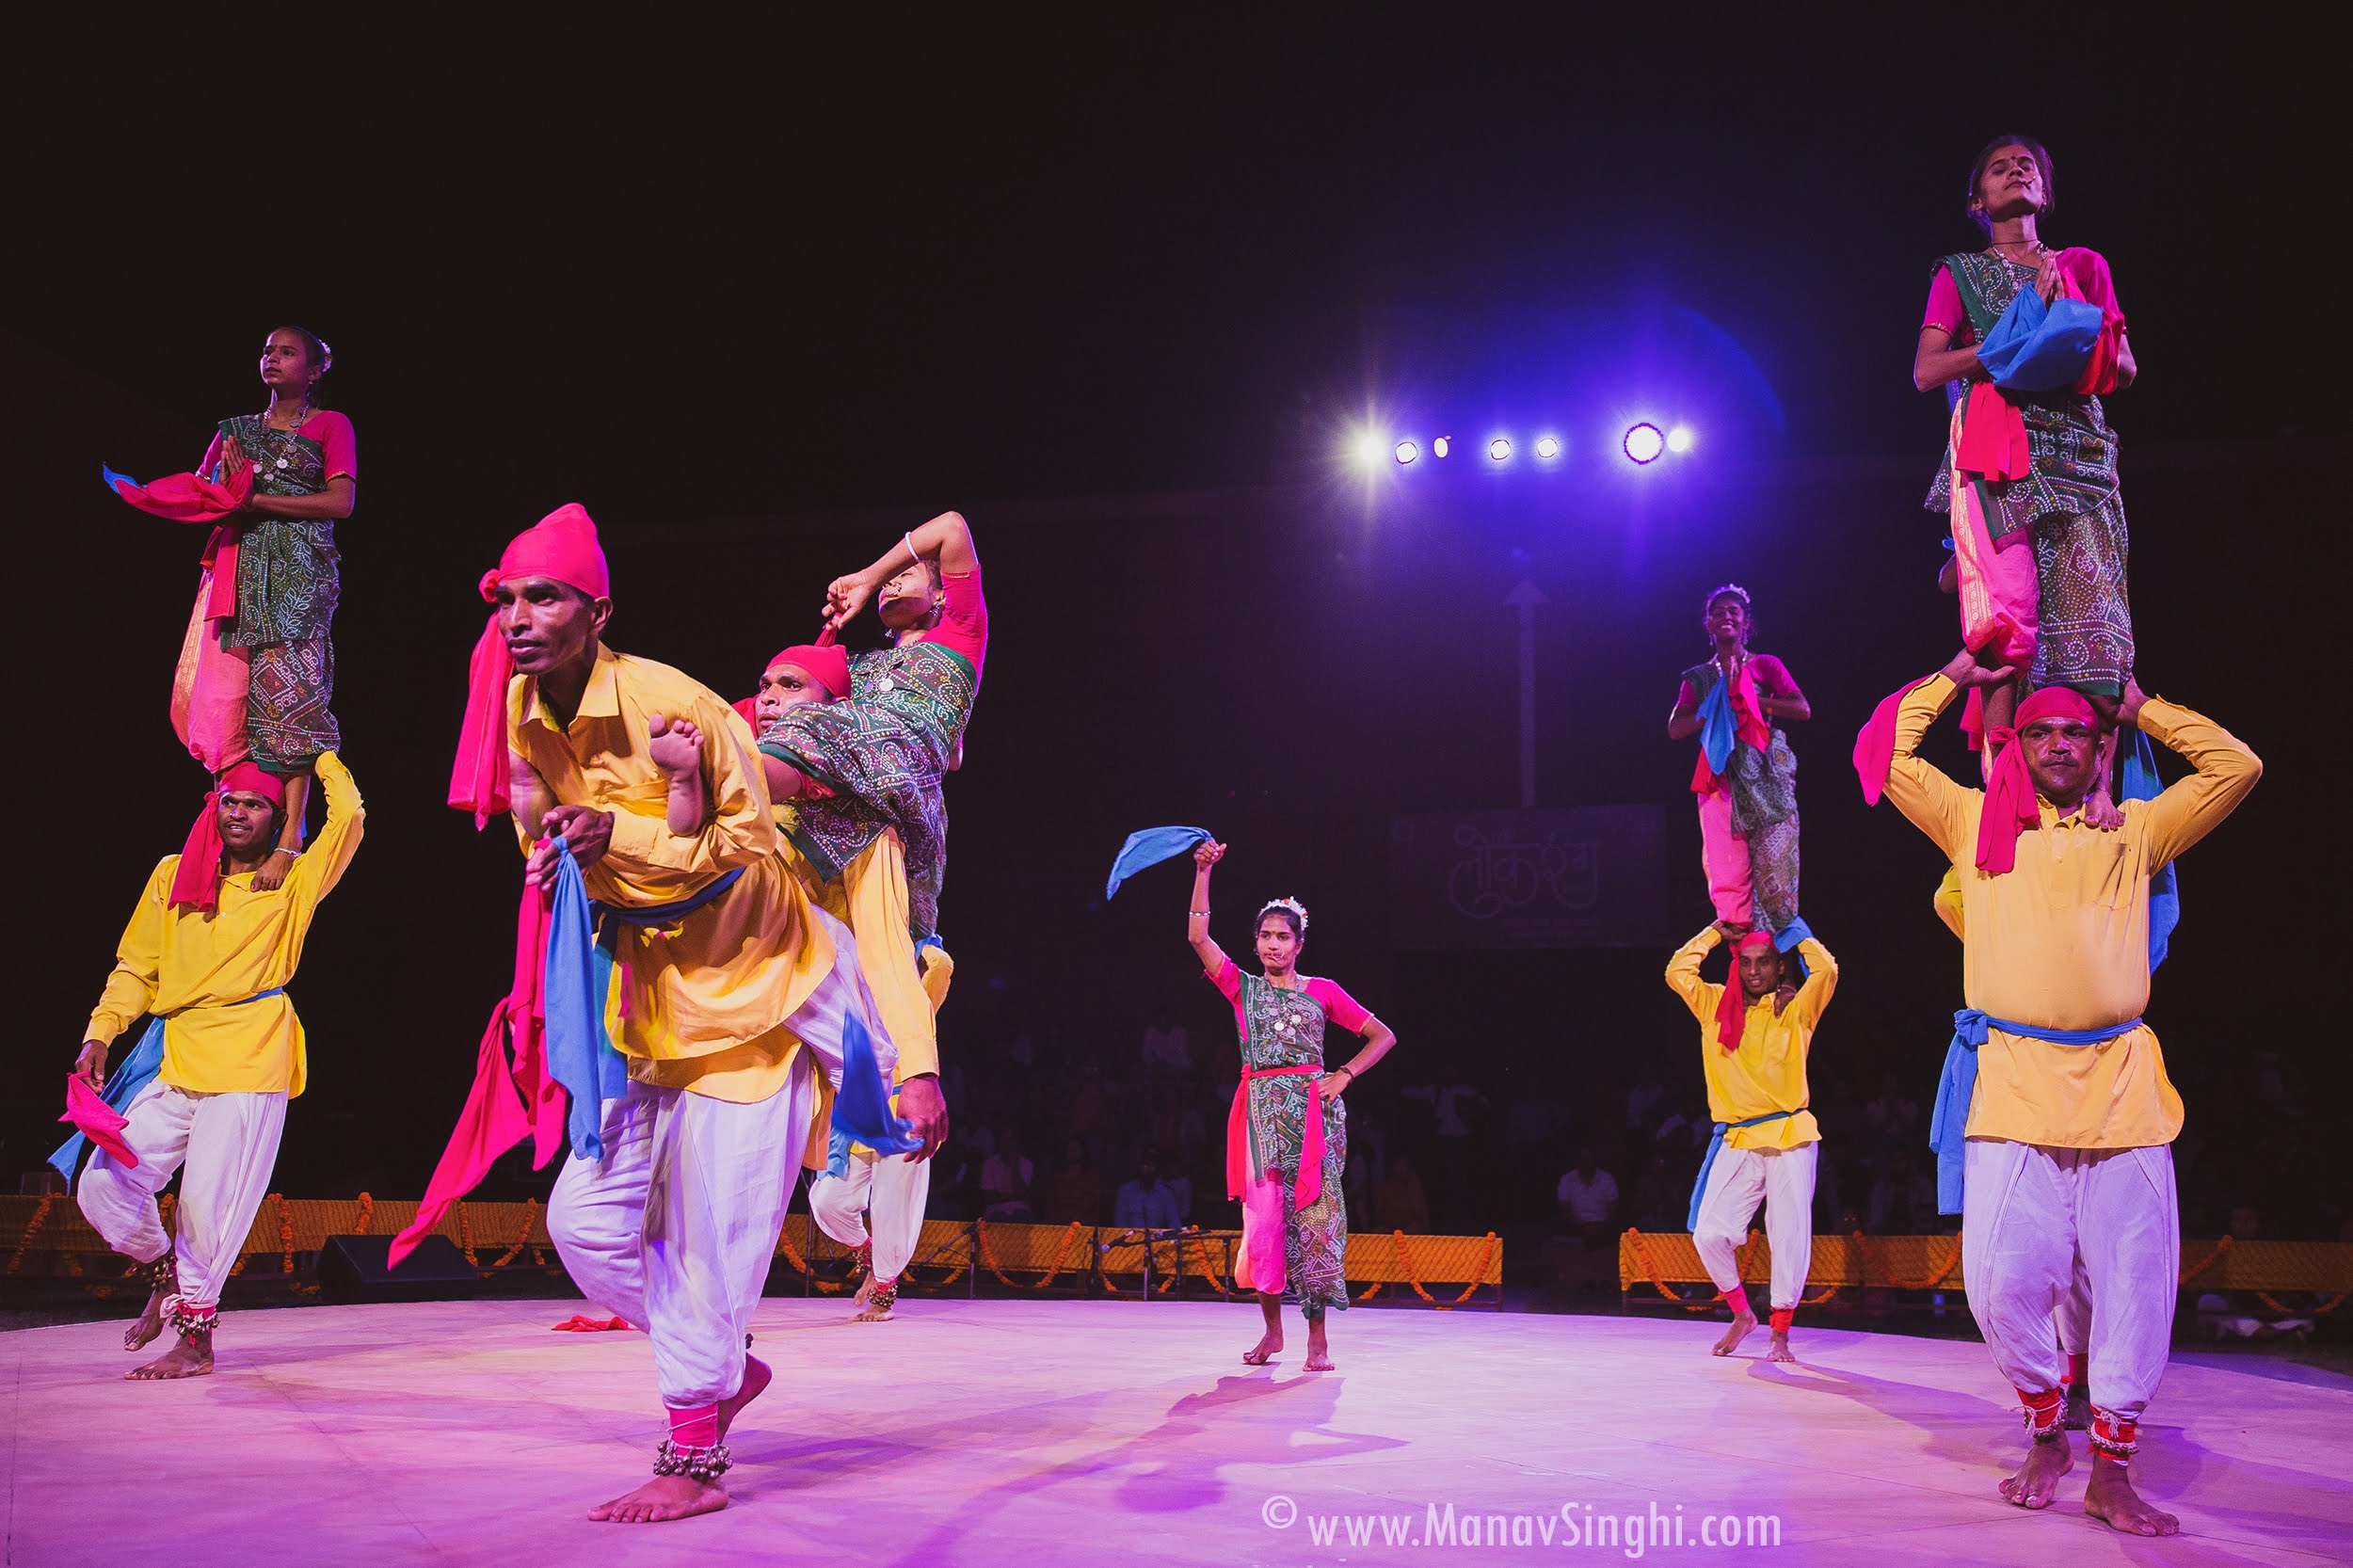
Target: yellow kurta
1767,1072
195,970
871,898
700,1004
2061,941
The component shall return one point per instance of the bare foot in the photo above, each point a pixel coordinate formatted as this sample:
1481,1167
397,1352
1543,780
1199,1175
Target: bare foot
1742,1324
662,1498
150,1322
1319,1348
1779,1349
757,1377
1271,1344
192,1357
2037,1480
875,1312
2110,1497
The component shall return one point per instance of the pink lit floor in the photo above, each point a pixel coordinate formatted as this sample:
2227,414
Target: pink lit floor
1049,1433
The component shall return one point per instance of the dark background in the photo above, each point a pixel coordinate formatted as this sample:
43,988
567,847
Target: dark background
760,296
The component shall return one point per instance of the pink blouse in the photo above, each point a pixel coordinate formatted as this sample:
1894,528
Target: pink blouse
2086,269
1338,1006
328,431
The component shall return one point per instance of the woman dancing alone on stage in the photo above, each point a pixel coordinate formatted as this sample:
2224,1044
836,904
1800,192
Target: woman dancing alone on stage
1287,1141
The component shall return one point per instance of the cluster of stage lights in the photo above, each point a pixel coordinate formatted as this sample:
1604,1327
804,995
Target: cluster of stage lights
1642,443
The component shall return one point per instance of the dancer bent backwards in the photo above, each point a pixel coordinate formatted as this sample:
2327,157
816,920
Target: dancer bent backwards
1747,777
673,1219
1756,1030
209,952
2071,1322
2070,1116
882,755
2029,476
871,897
1287,1141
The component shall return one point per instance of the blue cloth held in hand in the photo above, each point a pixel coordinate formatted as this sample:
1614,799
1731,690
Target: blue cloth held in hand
1149,847
1718,728
862,1108
2039,347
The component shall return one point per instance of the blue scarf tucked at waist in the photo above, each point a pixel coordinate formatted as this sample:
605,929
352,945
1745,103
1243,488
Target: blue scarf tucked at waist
582,939
1948,1126
134,1073
1715,1146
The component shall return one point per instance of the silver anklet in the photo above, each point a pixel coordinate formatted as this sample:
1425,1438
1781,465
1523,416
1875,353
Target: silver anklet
703,1465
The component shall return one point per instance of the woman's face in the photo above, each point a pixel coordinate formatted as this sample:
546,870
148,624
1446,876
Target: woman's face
905,601
1279,946
1727,622
286,364
2014,183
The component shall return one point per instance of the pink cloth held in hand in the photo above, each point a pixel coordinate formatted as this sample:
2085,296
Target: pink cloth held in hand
100,1123
185,497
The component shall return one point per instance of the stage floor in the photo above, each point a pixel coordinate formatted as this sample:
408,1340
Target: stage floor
1048,1432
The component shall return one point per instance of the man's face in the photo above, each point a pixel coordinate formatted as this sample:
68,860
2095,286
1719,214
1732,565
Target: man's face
785,687
1760,971
1148,1175
2060,752
905,601
549,625
248,821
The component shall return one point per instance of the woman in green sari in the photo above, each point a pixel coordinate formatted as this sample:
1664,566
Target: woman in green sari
1287,1138
304,461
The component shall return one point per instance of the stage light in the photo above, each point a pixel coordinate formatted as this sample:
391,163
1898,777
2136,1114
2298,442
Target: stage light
1547,447
1498,449
1439,447
1407,452
1679,438
1643,443
1368,446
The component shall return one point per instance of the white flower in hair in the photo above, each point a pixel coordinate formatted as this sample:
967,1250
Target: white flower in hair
1297,908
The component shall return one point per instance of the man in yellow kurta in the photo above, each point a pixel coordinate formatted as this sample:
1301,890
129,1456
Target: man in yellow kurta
2068,1124
727,982
232,1048
870,896
1756,1032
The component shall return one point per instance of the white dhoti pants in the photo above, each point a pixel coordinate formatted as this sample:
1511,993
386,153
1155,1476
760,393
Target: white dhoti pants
224,1147
894,1186
1784,1179
674,1227
2032,1217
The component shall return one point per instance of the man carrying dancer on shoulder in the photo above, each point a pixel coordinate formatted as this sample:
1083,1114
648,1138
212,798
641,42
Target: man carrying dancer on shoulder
856,750
209,954
2069,1115
725,973
1756,1030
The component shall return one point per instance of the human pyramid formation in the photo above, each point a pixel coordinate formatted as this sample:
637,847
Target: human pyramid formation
2054,1119
728,958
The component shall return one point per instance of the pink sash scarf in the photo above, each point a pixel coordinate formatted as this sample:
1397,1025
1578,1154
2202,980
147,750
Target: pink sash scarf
1308,1185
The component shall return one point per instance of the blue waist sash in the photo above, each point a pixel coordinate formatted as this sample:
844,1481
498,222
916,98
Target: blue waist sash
582,939
1948,1126
134,1073
1715,1145
1718,728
